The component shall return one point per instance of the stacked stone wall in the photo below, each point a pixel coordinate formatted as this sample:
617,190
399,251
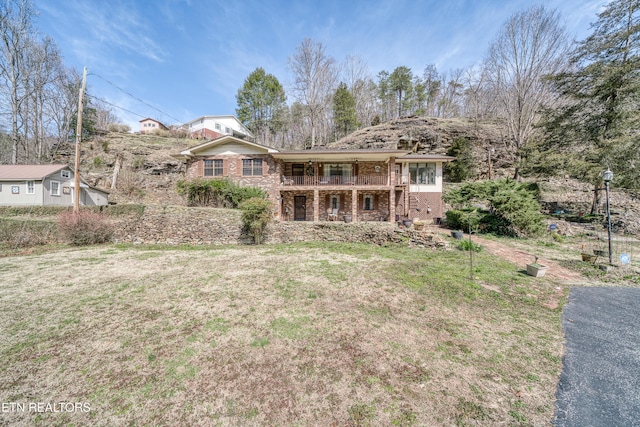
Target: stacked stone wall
206,226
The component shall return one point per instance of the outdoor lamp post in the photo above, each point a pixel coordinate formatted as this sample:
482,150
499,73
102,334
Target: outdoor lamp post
607,176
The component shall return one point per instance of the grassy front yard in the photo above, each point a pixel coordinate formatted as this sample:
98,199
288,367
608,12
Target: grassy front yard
298,335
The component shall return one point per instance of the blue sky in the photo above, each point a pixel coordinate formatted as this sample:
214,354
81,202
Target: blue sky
188,58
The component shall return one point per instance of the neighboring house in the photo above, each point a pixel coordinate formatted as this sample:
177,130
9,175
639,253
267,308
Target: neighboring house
149,125
213,127
320,185
31,185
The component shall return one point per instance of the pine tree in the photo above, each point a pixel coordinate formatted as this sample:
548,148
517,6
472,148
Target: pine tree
344,110
598,124
260,103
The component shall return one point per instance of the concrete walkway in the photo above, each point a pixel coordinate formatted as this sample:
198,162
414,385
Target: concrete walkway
600,380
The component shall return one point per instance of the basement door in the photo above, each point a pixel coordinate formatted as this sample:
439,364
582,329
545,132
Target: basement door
299,208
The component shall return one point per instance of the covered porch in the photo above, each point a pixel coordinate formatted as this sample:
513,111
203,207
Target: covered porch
337,204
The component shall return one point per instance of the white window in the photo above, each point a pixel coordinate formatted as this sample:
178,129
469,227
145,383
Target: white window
227,130
218,126
65,173
422,173
367,203
31,187
55,188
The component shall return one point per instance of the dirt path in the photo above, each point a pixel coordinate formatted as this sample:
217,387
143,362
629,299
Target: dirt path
522,258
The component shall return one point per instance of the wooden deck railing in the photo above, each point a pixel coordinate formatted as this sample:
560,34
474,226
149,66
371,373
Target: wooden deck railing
306,181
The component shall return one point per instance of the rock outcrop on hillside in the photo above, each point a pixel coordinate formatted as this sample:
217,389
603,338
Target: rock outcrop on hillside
431,134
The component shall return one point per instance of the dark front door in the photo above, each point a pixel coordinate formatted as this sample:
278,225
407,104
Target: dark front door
300,208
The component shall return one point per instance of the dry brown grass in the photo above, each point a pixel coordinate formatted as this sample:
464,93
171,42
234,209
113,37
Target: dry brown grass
308,334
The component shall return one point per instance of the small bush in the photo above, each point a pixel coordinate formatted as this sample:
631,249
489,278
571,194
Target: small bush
117,127
17,233
98,162
463,218
84,228
256,214
465,245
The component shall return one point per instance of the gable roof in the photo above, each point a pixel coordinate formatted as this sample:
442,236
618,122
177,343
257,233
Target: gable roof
192,151
28,172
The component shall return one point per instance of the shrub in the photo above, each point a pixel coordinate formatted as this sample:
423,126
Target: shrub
463,219
221,193
465,245
256,214
84,228
18,233
513,207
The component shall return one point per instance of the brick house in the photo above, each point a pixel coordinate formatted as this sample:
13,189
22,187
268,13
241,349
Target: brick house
320,185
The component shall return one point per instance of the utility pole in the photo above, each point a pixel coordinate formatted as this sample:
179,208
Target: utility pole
76,171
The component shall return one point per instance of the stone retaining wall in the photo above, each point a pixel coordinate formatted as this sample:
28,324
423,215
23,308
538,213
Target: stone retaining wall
191,225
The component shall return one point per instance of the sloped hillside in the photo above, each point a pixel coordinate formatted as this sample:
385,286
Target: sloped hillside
435,135
146,172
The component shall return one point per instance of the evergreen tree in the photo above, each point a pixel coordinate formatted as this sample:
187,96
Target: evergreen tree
344,110
598,124
400,81
261,101
461,168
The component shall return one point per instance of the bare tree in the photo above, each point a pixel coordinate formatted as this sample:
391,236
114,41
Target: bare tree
61,104
15,36
531,45
433,87
42,72
356,76
316,77
450,101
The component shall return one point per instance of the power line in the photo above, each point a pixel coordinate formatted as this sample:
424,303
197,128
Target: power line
136,98
116,106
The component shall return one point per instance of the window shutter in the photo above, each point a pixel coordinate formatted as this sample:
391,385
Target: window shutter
375,202
200,168
239,167
225,167
327,201
265,167
361,201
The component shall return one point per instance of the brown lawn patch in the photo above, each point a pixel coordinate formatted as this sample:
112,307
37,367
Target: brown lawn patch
307,334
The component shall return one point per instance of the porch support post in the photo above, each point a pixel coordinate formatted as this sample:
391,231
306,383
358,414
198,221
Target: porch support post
392,204
279,203
392,192
316,205
354,205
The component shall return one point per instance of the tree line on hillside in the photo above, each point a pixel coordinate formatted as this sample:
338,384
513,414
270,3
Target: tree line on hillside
568,108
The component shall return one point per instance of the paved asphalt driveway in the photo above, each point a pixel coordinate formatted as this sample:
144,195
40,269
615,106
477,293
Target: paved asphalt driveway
600,381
